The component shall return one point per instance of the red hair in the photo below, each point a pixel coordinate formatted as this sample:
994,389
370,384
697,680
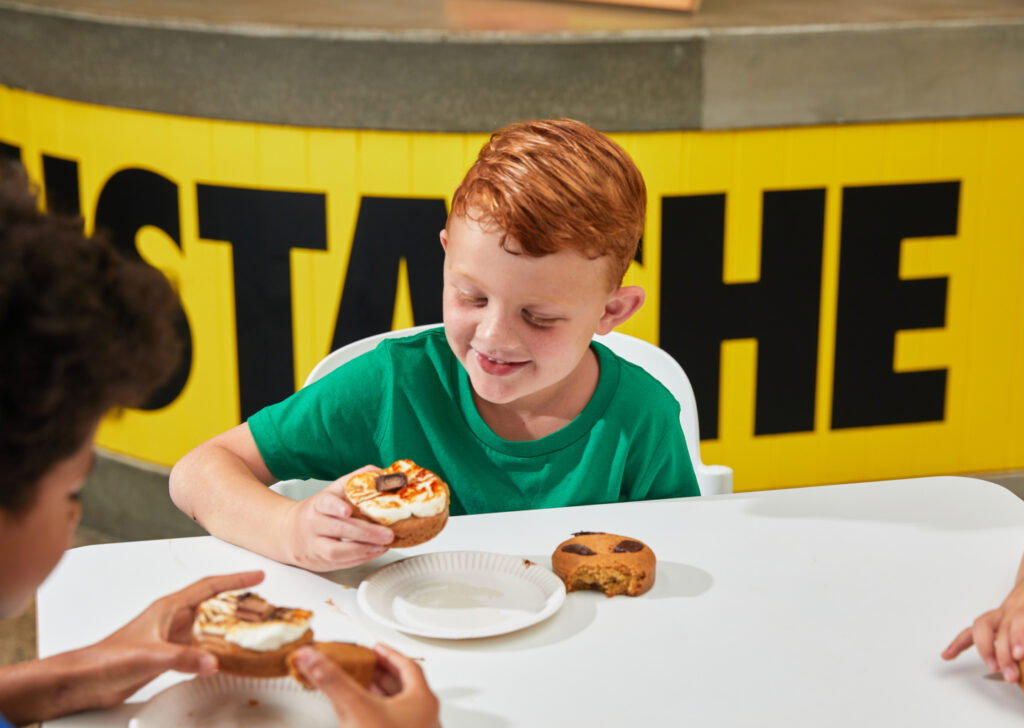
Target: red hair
557,184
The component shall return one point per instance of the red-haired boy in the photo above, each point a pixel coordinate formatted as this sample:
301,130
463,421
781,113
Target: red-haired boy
511,402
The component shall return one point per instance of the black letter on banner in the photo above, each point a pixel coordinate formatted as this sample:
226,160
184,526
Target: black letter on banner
262,227
387,230
874,303
699,311
60,180
10,152
130,200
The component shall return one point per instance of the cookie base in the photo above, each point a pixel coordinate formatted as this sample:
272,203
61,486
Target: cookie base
358,661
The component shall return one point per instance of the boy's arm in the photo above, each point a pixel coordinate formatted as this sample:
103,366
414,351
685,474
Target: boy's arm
222,485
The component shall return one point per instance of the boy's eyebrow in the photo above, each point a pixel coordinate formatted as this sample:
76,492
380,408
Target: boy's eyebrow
541,300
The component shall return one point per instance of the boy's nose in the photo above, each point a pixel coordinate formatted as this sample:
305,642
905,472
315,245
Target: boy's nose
495,331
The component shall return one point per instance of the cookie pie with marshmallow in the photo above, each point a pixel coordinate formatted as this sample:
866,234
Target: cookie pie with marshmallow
410,500
252,637
248,635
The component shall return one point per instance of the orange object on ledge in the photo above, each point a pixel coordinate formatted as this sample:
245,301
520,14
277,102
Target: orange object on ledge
690,6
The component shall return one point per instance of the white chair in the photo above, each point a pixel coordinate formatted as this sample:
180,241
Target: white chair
712,479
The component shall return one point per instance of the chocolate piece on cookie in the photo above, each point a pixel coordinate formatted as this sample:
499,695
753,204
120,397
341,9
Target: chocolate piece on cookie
576,548
388,482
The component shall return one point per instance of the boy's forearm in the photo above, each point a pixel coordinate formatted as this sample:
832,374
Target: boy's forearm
217,490
1020,573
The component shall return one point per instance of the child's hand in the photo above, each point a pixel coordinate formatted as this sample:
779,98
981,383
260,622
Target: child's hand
105,674
323,536
998,635
398,698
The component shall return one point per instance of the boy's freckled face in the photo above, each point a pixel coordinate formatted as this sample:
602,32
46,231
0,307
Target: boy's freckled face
520,325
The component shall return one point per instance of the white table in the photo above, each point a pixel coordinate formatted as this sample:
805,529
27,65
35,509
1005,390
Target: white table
823,606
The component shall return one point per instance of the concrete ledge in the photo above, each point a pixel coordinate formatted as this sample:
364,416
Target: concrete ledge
711,72
839,75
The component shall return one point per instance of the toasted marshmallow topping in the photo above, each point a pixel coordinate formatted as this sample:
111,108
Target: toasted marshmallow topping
237,616
423,495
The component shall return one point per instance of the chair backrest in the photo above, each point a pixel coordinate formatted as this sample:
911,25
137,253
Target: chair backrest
350,351
713,479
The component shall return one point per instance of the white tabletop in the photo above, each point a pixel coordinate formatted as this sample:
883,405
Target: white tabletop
805,607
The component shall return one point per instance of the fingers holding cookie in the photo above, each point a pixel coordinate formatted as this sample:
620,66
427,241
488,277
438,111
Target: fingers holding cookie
323,535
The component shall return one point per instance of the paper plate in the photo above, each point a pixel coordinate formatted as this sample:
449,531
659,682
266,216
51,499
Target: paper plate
228,700
461,594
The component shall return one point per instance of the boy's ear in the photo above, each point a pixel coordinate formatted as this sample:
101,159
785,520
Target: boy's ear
444,239
624,302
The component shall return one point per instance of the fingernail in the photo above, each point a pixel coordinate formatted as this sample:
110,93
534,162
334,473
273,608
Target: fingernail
1018,652
207,663
1008,675
992,664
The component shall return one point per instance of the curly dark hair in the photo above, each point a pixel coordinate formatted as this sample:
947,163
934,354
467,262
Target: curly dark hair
82,330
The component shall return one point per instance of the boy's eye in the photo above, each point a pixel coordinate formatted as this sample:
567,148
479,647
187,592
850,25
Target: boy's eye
539,321
472,300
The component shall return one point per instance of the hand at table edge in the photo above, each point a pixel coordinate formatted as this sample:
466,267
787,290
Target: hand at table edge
999,635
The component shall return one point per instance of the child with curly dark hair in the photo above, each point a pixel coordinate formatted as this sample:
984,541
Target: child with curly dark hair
83,330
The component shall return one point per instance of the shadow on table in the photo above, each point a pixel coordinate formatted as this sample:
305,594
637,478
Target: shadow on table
968,672
353,577
906,503
674,580
453,714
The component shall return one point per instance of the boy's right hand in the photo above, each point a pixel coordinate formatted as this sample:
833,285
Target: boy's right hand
322,535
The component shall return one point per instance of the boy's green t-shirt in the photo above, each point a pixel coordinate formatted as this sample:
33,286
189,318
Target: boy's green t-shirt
411,398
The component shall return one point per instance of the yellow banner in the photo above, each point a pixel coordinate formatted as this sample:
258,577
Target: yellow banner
847,299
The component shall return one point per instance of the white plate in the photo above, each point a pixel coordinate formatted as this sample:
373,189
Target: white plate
461,594
228,700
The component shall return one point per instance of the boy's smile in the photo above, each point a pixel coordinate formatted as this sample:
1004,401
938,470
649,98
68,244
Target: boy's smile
521,326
